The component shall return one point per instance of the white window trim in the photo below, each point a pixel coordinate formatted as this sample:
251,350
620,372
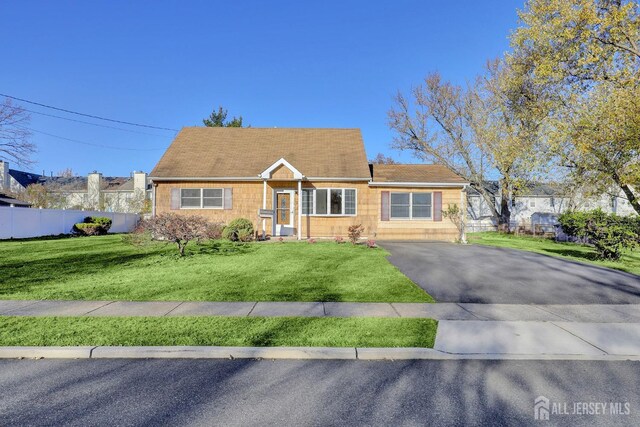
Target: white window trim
329,214
201,199
410,218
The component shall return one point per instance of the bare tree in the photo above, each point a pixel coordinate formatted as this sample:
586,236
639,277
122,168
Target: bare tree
477,131
179,229
381,159
14,137
65,173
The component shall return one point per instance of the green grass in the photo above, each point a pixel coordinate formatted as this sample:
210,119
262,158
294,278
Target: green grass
217,331
630,261
105,268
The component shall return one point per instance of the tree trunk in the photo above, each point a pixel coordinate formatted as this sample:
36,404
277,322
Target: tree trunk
633,200
504,218
180,247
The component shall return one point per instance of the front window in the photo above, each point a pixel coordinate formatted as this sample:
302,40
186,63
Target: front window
201,198
190,198
321,202
336,202
329,201
212,198
411,205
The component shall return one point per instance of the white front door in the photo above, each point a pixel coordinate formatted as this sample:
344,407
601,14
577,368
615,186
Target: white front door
283,202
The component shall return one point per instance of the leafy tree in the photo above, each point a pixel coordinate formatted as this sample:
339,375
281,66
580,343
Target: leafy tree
14,137
584,55
38,196
219,119
381,159
456,215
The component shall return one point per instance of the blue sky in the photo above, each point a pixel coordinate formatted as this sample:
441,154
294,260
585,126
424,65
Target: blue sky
277,63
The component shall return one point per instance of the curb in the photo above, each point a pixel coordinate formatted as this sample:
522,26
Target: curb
279,353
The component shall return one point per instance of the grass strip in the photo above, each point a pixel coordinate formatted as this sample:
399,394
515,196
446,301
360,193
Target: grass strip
106,268
630,261
217,331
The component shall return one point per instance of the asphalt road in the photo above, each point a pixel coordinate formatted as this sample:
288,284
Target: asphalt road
488,275
241,392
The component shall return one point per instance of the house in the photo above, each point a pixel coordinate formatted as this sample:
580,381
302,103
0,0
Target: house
302,182
112,194
7,200
538,205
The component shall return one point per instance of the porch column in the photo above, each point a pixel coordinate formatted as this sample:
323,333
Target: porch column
264,206
299,209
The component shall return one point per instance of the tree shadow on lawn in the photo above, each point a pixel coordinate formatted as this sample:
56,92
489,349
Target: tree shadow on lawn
222,248
589,256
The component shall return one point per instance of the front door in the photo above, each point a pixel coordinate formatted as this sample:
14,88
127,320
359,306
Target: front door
284,212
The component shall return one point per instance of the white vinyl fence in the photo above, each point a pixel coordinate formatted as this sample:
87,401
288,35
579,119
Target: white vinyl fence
20,223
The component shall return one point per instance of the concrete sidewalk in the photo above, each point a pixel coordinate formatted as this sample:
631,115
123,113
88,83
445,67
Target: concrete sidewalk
595,313
538,338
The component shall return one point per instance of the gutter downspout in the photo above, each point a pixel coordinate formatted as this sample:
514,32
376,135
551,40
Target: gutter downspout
153,201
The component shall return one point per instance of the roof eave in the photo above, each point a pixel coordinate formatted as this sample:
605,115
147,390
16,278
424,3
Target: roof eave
419,184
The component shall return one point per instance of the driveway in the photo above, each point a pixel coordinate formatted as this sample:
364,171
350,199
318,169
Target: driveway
488,275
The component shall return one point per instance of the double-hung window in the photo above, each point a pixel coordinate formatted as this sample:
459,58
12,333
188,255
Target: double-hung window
411,205
329,201
201,198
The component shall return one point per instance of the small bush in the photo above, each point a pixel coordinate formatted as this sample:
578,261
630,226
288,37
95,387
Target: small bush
178,229
240,229
355,231
371,244
610,234
214,230
92,226
339,239
311,241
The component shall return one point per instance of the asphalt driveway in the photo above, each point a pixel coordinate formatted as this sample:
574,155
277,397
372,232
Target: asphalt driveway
488,275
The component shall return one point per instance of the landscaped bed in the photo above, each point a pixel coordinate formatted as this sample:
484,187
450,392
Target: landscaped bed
217,331
106,268
630,261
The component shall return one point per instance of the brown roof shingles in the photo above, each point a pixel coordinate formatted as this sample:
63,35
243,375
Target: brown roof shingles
203,152
415,173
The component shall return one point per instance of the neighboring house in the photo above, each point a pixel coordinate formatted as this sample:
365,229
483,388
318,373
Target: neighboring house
7,200
112,194
302,182
539,205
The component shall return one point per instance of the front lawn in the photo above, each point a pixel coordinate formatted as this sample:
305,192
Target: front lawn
630,261
105,268
217,331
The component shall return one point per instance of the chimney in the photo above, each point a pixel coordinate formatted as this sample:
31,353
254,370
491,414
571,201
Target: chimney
139,182
94,185
4,176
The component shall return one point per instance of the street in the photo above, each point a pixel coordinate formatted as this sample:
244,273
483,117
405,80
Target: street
263,392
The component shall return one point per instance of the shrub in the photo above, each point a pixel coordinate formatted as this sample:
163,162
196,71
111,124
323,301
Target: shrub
610,234
214,230
92,226
240,229
371,244
311,241
339,239
355,231
178,229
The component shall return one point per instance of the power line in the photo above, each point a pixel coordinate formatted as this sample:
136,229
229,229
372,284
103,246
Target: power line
110,147
86,115
93,124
